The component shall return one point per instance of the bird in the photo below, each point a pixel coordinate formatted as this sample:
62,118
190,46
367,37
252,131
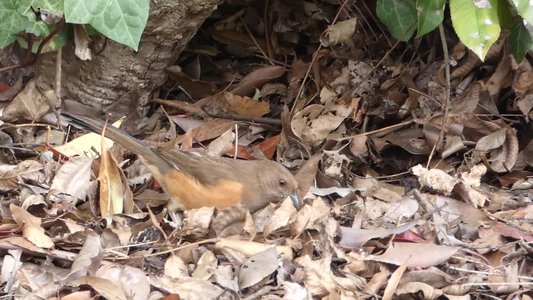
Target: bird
195,181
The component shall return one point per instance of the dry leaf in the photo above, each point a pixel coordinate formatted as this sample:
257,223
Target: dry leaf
29,104
31,227
340,32
111,185
131,281
353,237
414,255
73,177
205,266
89,257
257,267
256,79
281,217
435,179
104,287
10,175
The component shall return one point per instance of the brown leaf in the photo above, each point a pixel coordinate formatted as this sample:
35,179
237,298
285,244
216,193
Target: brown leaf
340,32
31,229
415,255
257,267
111,185
240,105
73,177
89,257
104,287
353,238
197,89
256,79
30,104
10,175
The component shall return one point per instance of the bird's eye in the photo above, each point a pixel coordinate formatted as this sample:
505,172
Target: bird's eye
282,182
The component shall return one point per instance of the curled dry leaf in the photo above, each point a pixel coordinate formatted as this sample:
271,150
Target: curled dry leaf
205,266
188,288
198,221
435,179
310,216
321,281
112,188
256,79
418,288
257,267
81,39
341,32
502,146
31,227
73,177
223,276
131,281
314,123
248,248
281,217
415,255
10,174
175,267
353,237
84,145
29,104
240,105
89,257
104,287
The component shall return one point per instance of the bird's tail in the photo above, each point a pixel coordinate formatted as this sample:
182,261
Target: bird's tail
120,136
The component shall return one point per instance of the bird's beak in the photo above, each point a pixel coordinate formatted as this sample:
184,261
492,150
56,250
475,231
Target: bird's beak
295,200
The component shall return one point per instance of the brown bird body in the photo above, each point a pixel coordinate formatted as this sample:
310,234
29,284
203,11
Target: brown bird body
194,181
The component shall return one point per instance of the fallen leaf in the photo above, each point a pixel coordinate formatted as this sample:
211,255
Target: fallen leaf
31,227
257,267
415,255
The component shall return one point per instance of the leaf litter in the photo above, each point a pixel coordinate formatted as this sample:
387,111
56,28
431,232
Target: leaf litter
404,195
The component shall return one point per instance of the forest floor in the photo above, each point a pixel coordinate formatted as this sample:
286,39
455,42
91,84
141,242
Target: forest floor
415,176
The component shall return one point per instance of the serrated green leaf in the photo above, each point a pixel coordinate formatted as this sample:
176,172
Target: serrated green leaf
430,15
476,23
521,41
11,22
120,20
399,16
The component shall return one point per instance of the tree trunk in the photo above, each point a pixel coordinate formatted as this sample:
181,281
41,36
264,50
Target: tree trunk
120,74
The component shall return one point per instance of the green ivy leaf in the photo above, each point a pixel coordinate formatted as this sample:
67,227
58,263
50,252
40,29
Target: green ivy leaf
476,23
49,5
399,16
430,15
525,10
120,20
521,41
11,22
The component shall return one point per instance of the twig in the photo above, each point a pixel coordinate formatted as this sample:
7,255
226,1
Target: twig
446,105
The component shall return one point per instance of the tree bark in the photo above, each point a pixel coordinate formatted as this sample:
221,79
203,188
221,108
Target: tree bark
120,74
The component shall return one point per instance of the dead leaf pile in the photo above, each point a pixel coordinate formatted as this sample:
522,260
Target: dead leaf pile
412,186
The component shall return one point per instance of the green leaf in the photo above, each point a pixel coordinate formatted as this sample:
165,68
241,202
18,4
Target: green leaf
399,16
525,9
120,20
430,15
11,22
49,5
34,26
476,23
521,41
